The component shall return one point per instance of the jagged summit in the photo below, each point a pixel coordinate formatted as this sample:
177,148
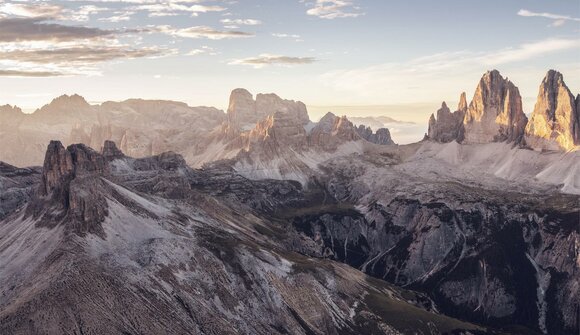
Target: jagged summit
495,113
448,126
382,136
244,110
462,106
67,101
110,151
555,123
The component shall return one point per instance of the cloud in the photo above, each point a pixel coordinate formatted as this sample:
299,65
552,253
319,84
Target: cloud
172,8
31,10
296,37
431,77
530,50
118,17
333,9
268,59
18,73
34,29
201,32
559,20
241,22
85,55
203,50
45,10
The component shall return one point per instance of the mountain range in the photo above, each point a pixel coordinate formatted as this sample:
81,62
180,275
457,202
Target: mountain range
155,217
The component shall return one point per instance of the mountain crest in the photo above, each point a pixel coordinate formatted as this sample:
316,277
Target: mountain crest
495,113
448,126
555,123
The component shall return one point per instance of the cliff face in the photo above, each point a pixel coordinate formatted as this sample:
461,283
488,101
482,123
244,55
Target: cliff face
448,126
495,113
554,124
243,110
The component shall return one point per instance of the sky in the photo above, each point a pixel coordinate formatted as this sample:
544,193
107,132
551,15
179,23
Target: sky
351,55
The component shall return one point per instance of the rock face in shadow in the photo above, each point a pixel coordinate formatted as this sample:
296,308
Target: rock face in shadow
495,113
554,124
448,126
180,251
382,136
16,187
72,188
483,256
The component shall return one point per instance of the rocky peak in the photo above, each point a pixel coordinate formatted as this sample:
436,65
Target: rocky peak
462,103
244,110
495,113
57,166
554,124
66,109
331,131
279,130
242,106
10,116
382,136
72,179
74,101
70,101
268,104
110,151
62,165
448,126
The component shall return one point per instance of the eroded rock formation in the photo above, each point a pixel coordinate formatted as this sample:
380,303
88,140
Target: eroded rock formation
382,136
448,126
495,113
554,124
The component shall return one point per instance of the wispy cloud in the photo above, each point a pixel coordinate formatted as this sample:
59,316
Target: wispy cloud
31,10
201,32
241,22
268,59
333,9
172,8
47,10
31,47
558,20
118,16
203,50
403,81
296,37
35,29
20,73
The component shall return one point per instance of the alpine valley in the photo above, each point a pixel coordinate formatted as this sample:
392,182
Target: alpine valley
154,217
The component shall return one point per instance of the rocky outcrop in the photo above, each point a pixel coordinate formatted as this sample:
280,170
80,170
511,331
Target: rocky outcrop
72,185
554,124
382,136
332,131
280,130
110,151
448,126
243,110
58,165
495,113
